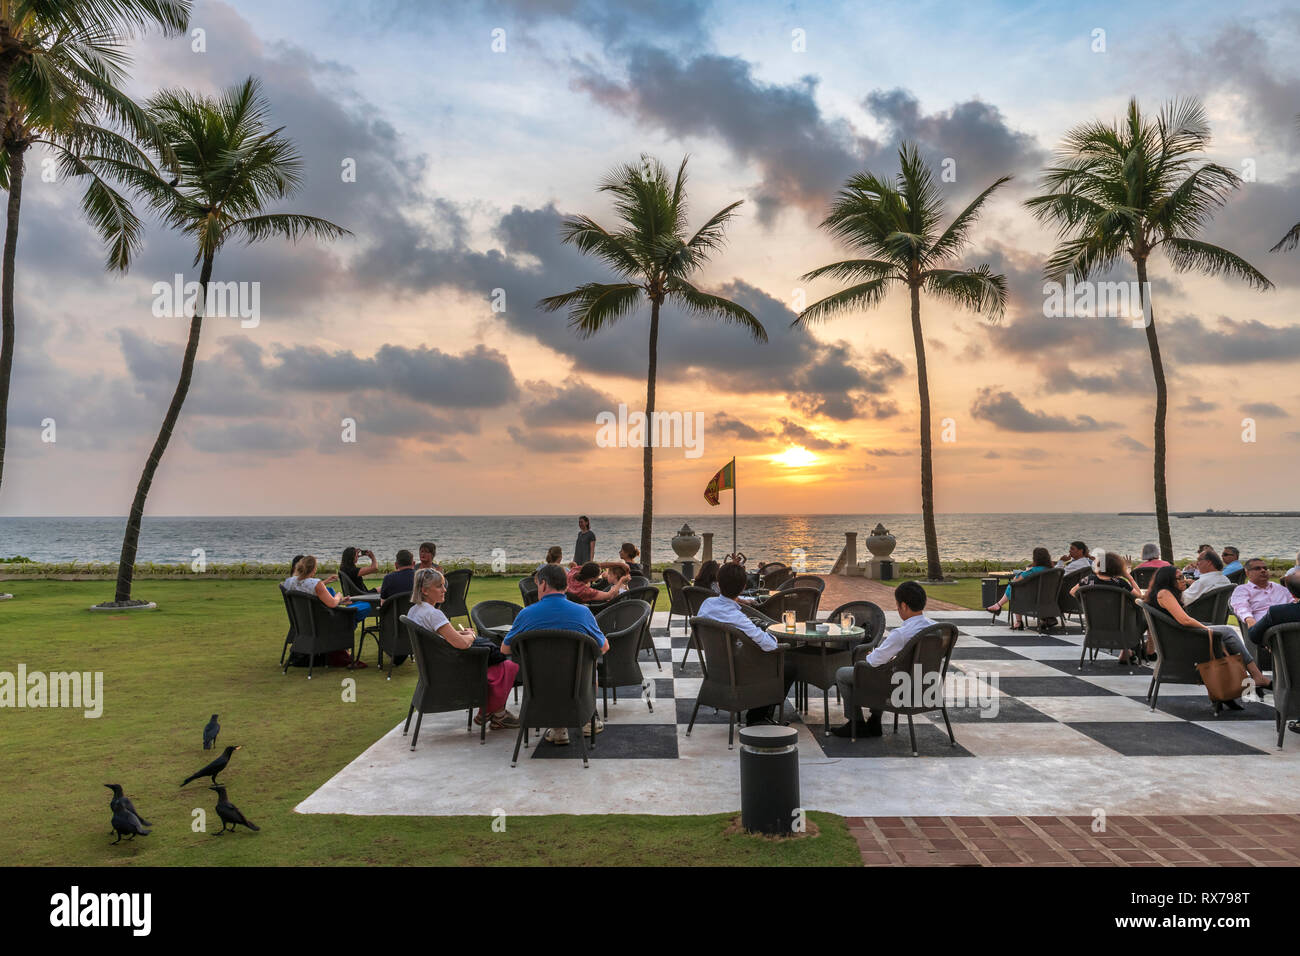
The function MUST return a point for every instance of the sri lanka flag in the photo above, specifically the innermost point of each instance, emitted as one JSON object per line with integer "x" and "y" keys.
{"x": 723, "y": 480}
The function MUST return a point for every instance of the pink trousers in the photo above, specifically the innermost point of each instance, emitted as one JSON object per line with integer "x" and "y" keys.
{"x": 501, "y": 678}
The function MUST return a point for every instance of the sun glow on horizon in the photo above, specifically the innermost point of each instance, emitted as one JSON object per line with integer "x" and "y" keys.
{"x": 796, "y": 456}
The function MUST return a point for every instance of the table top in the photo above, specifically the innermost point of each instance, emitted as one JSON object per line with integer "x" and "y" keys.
{"x": 802, "y": 632}
{"x": 500, "y": 630}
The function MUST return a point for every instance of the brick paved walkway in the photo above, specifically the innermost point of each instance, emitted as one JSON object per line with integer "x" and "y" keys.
{"x": 1224, "y": 840}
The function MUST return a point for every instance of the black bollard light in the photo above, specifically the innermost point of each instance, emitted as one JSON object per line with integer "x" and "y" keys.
{"x": 769, "y": 779}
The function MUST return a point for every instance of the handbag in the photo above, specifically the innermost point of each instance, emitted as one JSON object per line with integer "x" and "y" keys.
{"x": 1225, "y": 677}
{"x": 494, "y": 650}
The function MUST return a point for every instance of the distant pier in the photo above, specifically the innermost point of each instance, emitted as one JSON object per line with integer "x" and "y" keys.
{"x": 1213, "y": 514}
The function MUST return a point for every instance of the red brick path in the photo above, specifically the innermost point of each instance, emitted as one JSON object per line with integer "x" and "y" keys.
{"x": 1225, "y": 840}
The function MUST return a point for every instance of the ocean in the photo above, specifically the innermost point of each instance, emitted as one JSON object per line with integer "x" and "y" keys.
{"x": 525, "y": 538}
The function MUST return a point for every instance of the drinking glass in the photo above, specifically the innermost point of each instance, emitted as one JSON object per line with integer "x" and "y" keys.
{"x": 846, "y": 620}
{"x": 788, "y": 617}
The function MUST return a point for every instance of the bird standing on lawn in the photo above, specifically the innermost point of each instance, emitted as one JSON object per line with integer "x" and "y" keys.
{"x": 214, "y": 768}
{"x": 210, "y": 733}
{"x": 124, "y": 820}
{"x": 229, "y": 813}
{"x": 121, "y": 799}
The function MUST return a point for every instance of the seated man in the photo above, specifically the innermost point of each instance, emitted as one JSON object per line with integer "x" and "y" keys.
{"x": 1251, "y": 600}
{"x": 910, "y": 598}
{"x": 580, "y": 586}
{"x": 1295, "y": 570}
{"x": 1231, "y": 560}
{"x": 725, "y": 609}
{"x": 1209, "y": 575}
{"x": 1288, "y": 613}
{"x": 1077, "y": 558}
{"x": 1190, "y": 570}
{"x": 554, "y": 610}
{"x": 1151, "y": 557}
{"x": 401, "y": 579}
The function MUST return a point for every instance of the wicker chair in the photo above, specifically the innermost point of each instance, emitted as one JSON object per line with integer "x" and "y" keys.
{"x": 803, "y": 581}
{"x": 817, "y": 665}
{"x": 676, "y": 585}
{"x": 803, "y": 601}
{"x": 1067, "y": 602}
{"x": 1283, "y": 642}
{"x": 738, "y": 674}
{"x": 559, "y": 669}
{"x": 694, "y": 598}
{"x": 450, "y": 678}
{"x": 623, "y": 625}
{"x": 1035, "y": 595}
{"x": 867, "y": 616}
{"x": 288, "y": 611}
{"x": 1238, "y": 576}
{"x": 650, "y": 595}
{"x": 455, "y": 602}
{"x": 929, "y": 651}
{"x": 528, "y": 590}
{"x": 774, "y": 577}
{"x": 487, "y": 614}
{"x": 1143, "y": 576}
{"x": 1112, "y": 620}
{"x": 390, "y": 637}
{"x": 1212, "y": 606}
{"x": 637, "y": 581}
{"x": 319, "y": 629}
{"x": 1178, "y": 650}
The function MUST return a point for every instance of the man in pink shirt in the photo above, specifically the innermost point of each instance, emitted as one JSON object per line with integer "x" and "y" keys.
{"x": 1258, "y": 594}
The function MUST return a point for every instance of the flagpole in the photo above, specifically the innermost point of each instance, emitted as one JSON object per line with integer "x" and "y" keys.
{"x": 734, "y": 482}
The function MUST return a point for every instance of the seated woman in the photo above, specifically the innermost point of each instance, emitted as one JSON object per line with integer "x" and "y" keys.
{"x": 553, "y": 555}
{"x": 1042, "y": 561}
{"x": 356, "y": 575}
{"x": 616, "y": 579}
{"x": 430, "y": 589}
{"x": 628, "y": 553}
{"x": 708, "y": 576}
{"x": 1113, "y": 573}
{"x": 304, "y": 581}
{"x": 579, "y": 584}
{"x": 1166, "y": 593}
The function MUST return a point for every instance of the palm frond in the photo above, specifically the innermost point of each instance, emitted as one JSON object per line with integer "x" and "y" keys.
{"x": 706, "y": 304}
{"x": 864, "y": 295}
{"x": 595, "y": 305}
{"x": 1209, "y": 259}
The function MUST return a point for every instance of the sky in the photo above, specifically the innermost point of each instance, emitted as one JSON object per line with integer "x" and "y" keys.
{"x": 474, "y": 128}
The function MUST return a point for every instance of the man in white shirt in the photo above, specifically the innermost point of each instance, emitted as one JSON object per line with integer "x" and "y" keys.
{"x": 1209, "y": 575}
{"x": 910, "y": 599}
{"x": 1251, "y": 600}
{"x": 1294, "y": 570}
{"x": 725, "y": 609}
{"x": 1077, "y": 558}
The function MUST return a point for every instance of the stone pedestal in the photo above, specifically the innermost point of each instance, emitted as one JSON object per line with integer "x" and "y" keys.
{"x": 879, "y": 569}
{"x": 708, "y": 546}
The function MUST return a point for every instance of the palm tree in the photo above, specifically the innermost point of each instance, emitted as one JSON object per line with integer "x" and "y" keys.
{"x": 231, "y": 166}
{"x": 61, "y": 62}
{"x": 652, "y": 252}
{"x": 1129, "y": 189}
{"x": 1292, "y": 237}
{"x": 897, "y": 226}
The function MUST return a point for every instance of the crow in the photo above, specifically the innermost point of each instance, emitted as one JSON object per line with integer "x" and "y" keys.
{"x": 210, "y": 733}
{"x": 229, "y": 813}
{"x": 214, "y": 768}
{"x": 124, "y": 821}
{"x": 120, "y": 799}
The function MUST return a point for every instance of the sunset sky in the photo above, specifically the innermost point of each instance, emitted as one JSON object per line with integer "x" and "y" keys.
{"x": 466, "y": 161}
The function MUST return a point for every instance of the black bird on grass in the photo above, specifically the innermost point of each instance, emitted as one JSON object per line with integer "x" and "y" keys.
{"x": 229, "y": 813}
{"x": 214, "y": 768}
{"x": 210, "y": 733}
{"x": 124, "y": 821}
{"x": 121, "y": 800}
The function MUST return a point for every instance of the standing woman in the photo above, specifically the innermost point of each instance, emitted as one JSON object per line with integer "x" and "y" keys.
{"x": 430, "y": 589}
{"x": 1166, "y": 593}
{"x": 585, "y": 547}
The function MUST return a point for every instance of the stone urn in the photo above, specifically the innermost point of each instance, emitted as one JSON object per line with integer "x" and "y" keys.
{"x": 880, "y": 542}
{"x": 686, "y": 542}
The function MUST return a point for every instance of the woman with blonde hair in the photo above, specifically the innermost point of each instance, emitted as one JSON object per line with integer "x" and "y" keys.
{"x": 430, "y": 589}
{"x": 304, "y": 581}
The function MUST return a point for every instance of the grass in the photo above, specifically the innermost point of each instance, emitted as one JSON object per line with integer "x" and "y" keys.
{"x": 212, "y": 646}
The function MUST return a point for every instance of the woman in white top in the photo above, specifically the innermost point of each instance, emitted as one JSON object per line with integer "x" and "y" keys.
{"x": 304, "y": 582}
{"x": 430, "y": 589}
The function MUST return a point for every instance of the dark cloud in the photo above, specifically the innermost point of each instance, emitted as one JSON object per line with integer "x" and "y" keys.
{"x": 1229, "y": 342}
{"x": 1129, "y": 443}
{"x": 261, "y": 437}
{"x": 1264, "y": 410}
{"x": 1198, "y": 406}
{"x": 724, "y": 424}
{"x": 797, "y": 434}
{"x": 550, "y": 442}
{"x": 571, "y": 403}
{"x": 1006, "y": 412}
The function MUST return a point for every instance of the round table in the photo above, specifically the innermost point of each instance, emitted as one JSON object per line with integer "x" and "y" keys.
{"x": 499, "y": 630}
{"x": 803, "y": 633}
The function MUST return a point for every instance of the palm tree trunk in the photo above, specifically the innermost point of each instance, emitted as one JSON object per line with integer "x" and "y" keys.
{"x": 647, "y": 457}
{"x": 934, "y": 571}
{"x": 131, "y": 539}
{"x": 1162, "y": 407}
{"x": 16, "y": 156}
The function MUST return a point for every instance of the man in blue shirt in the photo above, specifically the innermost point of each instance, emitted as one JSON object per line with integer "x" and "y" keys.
{"x": 554, "y": 610}
{"x": 401, "y": 579}
{"x": 910, "y": 598}
{"x": 1232, "y": 561}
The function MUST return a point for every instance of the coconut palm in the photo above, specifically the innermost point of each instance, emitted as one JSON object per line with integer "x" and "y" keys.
{"x": 231, "y": 166}
{"x": 61, "y": 62}
{"x": 1292, "y": 237}
{"x": 654, "y": 254}
{"x": 1127, "y": 190}
{"x": 897, "y": 226}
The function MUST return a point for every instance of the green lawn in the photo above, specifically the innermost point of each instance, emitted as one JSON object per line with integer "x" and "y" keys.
{"x": 213, "y": 646}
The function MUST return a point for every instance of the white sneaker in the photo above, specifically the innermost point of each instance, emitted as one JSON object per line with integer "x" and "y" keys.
{"x": 557, "y": 735}
{"x": 586, "y": 728}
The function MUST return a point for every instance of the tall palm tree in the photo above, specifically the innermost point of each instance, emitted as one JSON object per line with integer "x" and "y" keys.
{"x": 654, "y": 254}
{"x": 1129, "y": 189}
{"x": 897, "y": 226}
{"x": 61, "y": 62}
{"x": 231, "y": 167}
{"x": 1292, "y": 237}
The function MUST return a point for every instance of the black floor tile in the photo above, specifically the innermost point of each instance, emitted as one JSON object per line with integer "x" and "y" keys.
{"x": 1163, "y": 739}
{"x": 1051, "y": 687}
{"x": 1199, "y": 707}
{"x": 960, "y": 653}
{"x": 931, "y": 741}
{"x": 618, "y": 742}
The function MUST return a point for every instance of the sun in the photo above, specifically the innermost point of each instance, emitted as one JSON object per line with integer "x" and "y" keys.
{"x": 796, "y": 456}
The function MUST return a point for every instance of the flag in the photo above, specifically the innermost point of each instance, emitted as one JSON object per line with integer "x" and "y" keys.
{"x": 724, "y": 479}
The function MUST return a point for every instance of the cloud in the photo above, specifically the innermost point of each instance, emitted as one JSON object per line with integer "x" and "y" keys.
{"x": 1264, "y": 410}
{"x": 261, "y": 437}
{"x": 571, "y": 403}
{"x": 724, "y": 424}
{"x": 1129, "y": 443}
{"x": 550, "y": 442}
{"x": 1198, "y": 406}
{"x": 797, "y": 434}
{"x": 1006, "y": 412}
